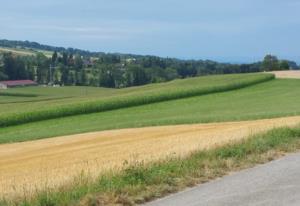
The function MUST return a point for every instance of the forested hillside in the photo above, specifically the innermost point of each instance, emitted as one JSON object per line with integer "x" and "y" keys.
{"x": 69, "y": 66}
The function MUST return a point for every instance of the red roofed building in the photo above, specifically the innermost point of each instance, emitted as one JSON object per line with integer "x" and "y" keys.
{"x": 16, "y": 83}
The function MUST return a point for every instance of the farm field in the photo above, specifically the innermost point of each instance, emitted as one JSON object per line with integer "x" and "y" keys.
{"x": 33, "y": 166}
{"x": 85, "y": 94}
{"x": 276, "y": 98}
{"x": 98, "y": 142}
{"x": 91, "y": 100}
{"x": 17, "y": 51}
{"x": 295, "y": 74}
{"x": 51, "y": 95}
{"x": 24, "y": 52}
{"x": 121, "y": 103}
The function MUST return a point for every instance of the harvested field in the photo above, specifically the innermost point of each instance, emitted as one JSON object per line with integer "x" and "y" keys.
{"x": 21, "y": 52}
{"x": 30, "y": 166}
{"x": 293, "y": 74}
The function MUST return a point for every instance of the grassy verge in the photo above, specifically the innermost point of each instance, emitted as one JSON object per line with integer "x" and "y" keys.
{"x": 140, "y": 182}
{"x": 158, "y": 95}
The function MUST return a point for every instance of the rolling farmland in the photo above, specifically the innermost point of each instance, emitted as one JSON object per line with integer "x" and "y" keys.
{"x": 124, "y": 103}
{"x": 12, "y": 115}
{"x": 253, "y": 102}
{"x": 96, "y": 141}
{"x": 24, "y": 52}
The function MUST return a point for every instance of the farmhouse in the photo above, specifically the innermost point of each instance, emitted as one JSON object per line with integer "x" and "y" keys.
{"x": 16, "y": 83}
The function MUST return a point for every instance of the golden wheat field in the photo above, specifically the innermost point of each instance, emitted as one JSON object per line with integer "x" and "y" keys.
{"x": 292, "y": 74}
{"x": 30, "y": 166}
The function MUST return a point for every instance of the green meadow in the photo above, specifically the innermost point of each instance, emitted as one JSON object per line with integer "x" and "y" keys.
{"x": 275, "y": 98}
{"x": 50, "y": 103}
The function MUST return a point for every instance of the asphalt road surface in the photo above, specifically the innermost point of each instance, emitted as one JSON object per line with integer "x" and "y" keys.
{"x": 273, "y": 184}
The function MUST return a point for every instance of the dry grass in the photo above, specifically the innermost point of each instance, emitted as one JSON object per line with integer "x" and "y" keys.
{"x": 292, "y": 74}
{"x": 25, "y": 52}
{"x": 30, "y": 166}
{"x": 17, "y": 51}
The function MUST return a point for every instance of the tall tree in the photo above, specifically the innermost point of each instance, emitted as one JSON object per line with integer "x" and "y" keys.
{"x": 54, "y": 57}
{"x": 42, "y": 71}
{"x": 3, "y": 76}
{"x": 78, "y": 62}
{"x": 14, "y": 67}
{"x": 284, "y": 65}
{"x": 270, "y": 63}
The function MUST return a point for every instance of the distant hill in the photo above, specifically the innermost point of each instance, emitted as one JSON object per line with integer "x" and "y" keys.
{"x": 24, "y": 47}
{"x": 38, "y": 46}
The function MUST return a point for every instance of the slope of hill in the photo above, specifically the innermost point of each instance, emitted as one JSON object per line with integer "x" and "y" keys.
{"x": 21, "y": 113}
{"x": 30, "y": 167}
{"x": 27, "y": 45}
{"x": 24, "y": 51}
{"x": 275, "y": 98}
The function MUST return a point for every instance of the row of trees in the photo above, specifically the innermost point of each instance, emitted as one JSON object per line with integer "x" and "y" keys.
{"x": 116, "y": 71}
{"x": 271, "y": 62}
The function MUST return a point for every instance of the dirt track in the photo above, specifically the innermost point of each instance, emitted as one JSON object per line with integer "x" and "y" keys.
{"x": 25, "y": 167}
{"x": 293, "y": 74}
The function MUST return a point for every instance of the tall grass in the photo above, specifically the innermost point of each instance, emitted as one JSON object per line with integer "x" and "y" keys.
{"x": 151, "y": 96}
{"x": 140, "y": 182}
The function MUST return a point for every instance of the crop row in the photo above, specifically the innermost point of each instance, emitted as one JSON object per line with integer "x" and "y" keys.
{"x": 17, "y": 94}
{"x": 158, "y": 95}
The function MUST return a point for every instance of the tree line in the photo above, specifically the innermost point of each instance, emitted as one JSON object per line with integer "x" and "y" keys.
{"x": 119, "y": 70}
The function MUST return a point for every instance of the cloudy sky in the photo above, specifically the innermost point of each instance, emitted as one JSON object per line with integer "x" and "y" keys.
{"x": 231, "y": 30}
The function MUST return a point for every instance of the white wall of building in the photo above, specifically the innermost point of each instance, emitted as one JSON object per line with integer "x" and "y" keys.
{"x": 3, "y": 86}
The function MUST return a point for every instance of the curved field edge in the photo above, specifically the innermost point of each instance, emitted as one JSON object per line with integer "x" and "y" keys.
{"x": 158, "y": 95}
{"x": 139, "y": 183}
{"x": 276, "y": 98}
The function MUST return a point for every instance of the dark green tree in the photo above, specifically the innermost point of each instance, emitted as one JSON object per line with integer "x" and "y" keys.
{"x": 42, "y": 68}
{"x": 284, "y": 65}
{"x": 270, "y": 63}
{"x": 54, "y": 58}
{"x": 78, "y": 62}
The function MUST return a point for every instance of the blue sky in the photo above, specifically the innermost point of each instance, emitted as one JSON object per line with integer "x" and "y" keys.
{"x": 230, "y": 31}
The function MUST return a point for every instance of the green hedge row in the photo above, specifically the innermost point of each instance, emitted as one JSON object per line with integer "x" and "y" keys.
{"x": 17, "y": 94}
{"x": 113, "y": 103}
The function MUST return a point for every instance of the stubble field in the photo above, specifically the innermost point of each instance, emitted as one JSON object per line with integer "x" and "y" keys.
{"x": 36, "y": 165}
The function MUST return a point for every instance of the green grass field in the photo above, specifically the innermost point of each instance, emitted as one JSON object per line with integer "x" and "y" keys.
{"x": 52, "y": 95}
{"x": 276, "y": 98}
{"x": 53, "y": 103}
{"x": 67, "y": 95}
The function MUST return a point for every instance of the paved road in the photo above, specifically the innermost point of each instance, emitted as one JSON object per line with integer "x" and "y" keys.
{"x": 274, "y": 184}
